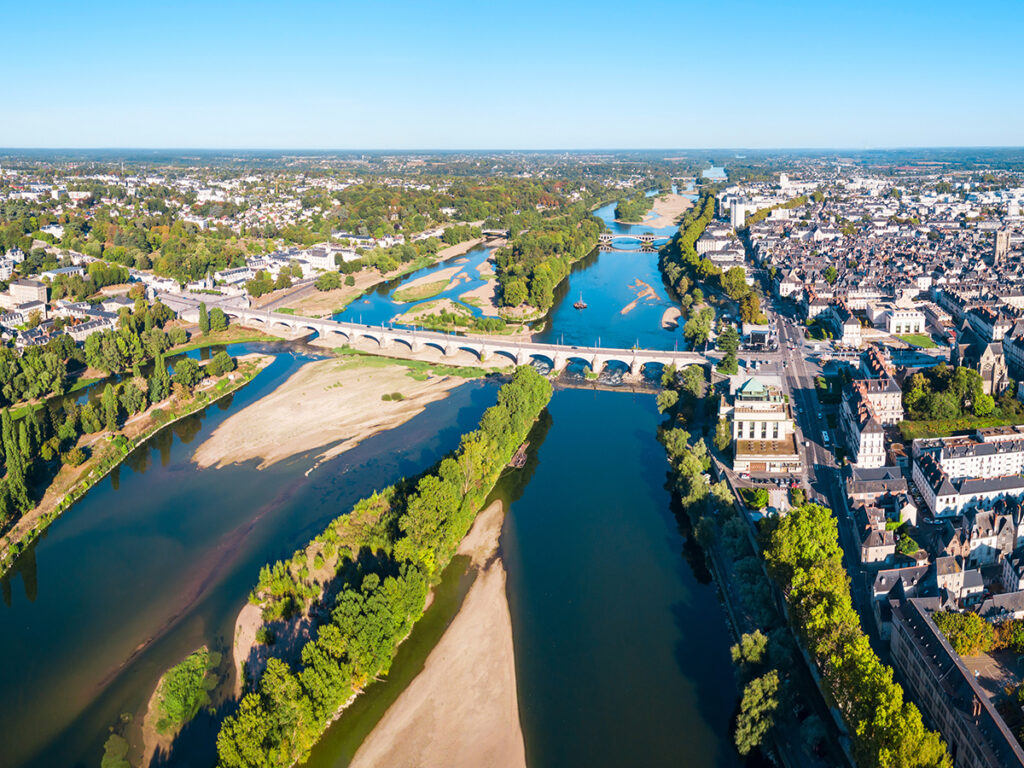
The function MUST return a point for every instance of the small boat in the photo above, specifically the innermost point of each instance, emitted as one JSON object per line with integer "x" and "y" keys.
{"x": 581, "y": 304}
{"x": 518, "y": 461}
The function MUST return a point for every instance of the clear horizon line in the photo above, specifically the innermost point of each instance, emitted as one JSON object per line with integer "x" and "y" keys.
{"x": 821, "y": 148}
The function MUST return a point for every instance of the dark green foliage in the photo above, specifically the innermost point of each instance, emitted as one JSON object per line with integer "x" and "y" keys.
{"x": 183, "y": 690}
{"x": 160, "y": 381}
{"x": 220, "y": 364}
{"x": 760, "y": 700}
{"x": 204, "y": 319}
{"x": 633, "y": 208}
{"x": 138, "y": 338}
{"x": 944, "y": 392}
{"x": 187, "y": 372}
{"x": 328, "y": 281}
{"x": 679, "y": 259}
{"x": 115, "y": 752}
{"x": 537, "y": 260}
{"x": 218, "y": 320}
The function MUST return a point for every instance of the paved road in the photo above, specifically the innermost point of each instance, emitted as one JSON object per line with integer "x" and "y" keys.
{"x": 821, "y": 473}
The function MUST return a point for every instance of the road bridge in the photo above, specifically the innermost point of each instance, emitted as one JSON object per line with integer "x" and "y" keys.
{"x": 519, "y": 352}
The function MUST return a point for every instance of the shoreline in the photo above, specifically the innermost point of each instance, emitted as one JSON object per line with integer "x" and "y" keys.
{"x": 314, "y": 303}
{"x": 468, "y": 680}
{"x": 54, "y": 502}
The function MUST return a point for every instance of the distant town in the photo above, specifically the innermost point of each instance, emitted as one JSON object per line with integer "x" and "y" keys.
{"x": 832, "y": 343}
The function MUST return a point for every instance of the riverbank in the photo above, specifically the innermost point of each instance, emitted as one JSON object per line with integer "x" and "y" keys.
{"x": 331, "y": 404}
{"x": 107, "y": 449}
{"x": 462, "y": 710}
{"x": 310, "y": 302}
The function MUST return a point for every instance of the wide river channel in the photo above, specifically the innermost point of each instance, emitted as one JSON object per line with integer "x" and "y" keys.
{"x": 621, "y": 646}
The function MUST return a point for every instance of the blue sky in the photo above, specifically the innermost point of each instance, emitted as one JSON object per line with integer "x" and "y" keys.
{"x": 407, "y": 75}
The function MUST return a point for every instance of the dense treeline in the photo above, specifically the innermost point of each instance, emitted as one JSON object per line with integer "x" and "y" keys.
{"x": 139, "y": 338}
{"x": 385, "y": 553}
{"x": 537, "y": 260}
{"x": 802, "y": 555}
{"x": 42, "y": 371}
{"x": 762, "y": 213}
{"x": 805, "y": 560}
{"x": 34, "y": 446}
{"x": 633, "y": 208}
{"x": 764, "y": 656}
{"x": 78, "y": 288}
{"x": 680, "y": 263}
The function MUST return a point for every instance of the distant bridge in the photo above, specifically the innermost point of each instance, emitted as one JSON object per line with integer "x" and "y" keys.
{"x": 645, "y": 237}
{"x": 484, "y": 347}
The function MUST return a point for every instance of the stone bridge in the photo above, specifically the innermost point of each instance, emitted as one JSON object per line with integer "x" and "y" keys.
{"x": 484, "y": 347}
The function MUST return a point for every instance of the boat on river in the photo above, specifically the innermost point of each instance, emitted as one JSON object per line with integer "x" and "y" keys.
{"x": 581, "y": 304}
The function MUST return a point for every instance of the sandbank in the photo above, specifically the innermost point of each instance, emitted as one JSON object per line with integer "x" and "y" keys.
{"x": 332, "y": 404}
{"x": 435, "y": 277}
{"x": 462, "y": 710}
{"x": 670, "y": 318}
{"x": 667, "y": 210}
{"x": 484, "y": 297}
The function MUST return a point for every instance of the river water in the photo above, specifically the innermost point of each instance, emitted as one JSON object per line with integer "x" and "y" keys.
{"x": 621, "y": 648}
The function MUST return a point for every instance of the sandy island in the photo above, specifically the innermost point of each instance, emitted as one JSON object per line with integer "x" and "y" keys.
{"x": 447, "y": 275}
{"x": 667, "y": 210}
{"x": 670, "y": 318}
{"x": 483, "y": 296}
{"x": 462, "y": 710}
{"x": 335, "y": 403}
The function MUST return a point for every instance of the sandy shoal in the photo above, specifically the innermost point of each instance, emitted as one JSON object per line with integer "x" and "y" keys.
{"x": 485, "y": 294}
{"x": 435, "y": 277}
{"x": 667, "y": 209}
{"x": 462, "y": 710}
{"x": 333, "y": 403}
{"x": 670, "y": 318}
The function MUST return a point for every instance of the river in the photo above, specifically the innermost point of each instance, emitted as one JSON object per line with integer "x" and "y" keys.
{"x": 622, "y": 651}
{"x": 622, "y": 288}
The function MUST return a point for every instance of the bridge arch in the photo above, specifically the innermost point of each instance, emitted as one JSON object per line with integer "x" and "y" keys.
{"x": 546, "y": 361}
{"x": 575, "y": 361}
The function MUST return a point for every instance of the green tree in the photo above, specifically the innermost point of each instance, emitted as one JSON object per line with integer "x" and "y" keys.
{"x": 218, "y": 320}
{"x": 984, "y": 405}
{"x": 328, "y": 281}
{"x": 159, "y": 381}
{"x": 698, "y": 327}
{"x": 693, "y": 381}
{"x": 750, "y": 650}
{"x": 667, "y": 400}
{"x": 757, "y": 711}
{"x": 830, "y": 274}
{"x": 968, "y": 633}
{"x": 204, "y": 319}
{"x": 723, "y": 434}
{"x": 729, "y": 339}
{"x": 108, "y": 401}
{"x": 187, "y": 373}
